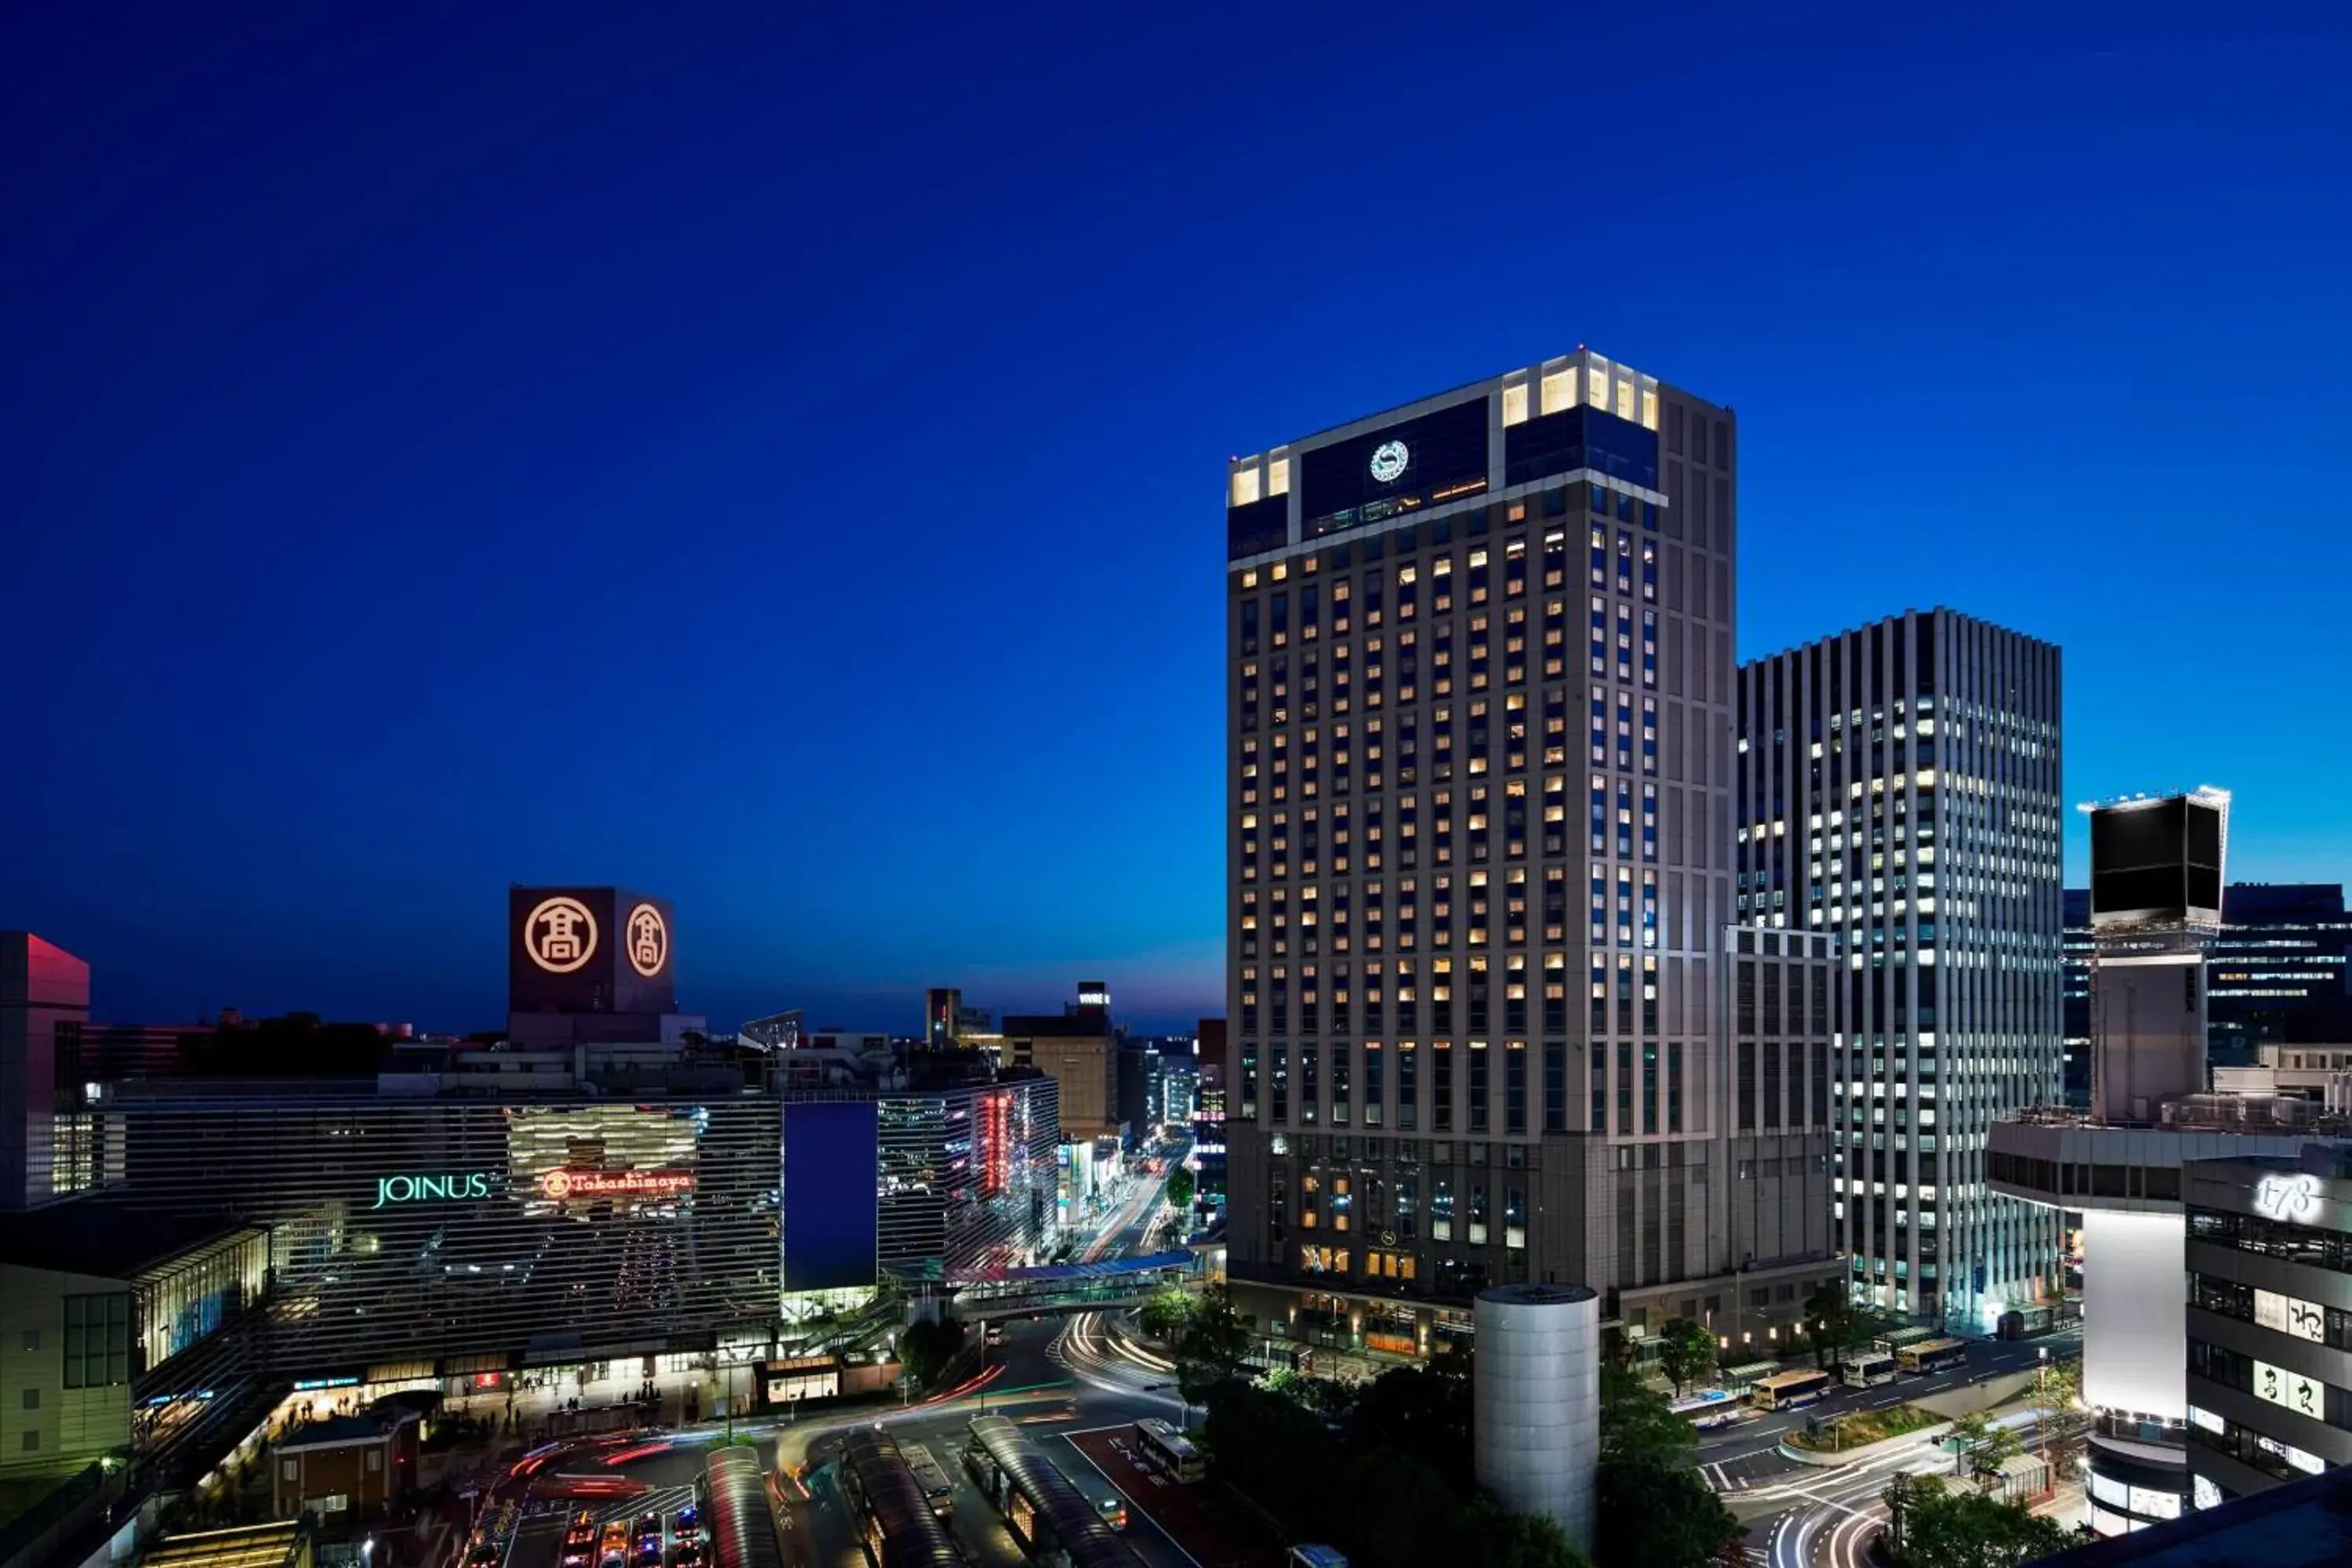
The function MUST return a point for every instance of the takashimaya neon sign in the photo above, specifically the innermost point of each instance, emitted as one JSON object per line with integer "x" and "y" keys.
{"x": 2291, "y": 1198}
{"x": 560, "y": 934}
{"x": 564, "y": 1185}
{"x": 648, "y": 935}
{"x": 420, "y": 1189}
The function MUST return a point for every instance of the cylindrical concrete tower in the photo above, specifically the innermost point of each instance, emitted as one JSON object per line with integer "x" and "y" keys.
{"x": 1536, "y": 1391}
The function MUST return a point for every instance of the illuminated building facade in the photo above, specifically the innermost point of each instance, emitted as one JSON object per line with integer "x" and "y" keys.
{"x": 439, "y": 1234}
{"x": 1898, "y": 786}
{"x": 2270, "y": 1321}
{"x": 969, "y": 1177}
{"x": 1479, "y": 697}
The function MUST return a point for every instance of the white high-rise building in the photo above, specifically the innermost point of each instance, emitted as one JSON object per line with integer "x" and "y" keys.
{"x": 1899, "y": 786}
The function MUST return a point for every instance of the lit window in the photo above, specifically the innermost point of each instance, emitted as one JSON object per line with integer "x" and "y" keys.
{"x": 1244, "y": 487}
{"x": 1559, "y": 391}
{"x": 1514, "y": 404}
{"x": 1277, "y": 472}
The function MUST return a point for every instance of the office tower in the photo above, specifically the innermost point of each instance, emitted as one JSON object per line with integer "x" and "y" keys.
{"x": 2276, "y": 975}
{"x": 1899, "y": 787}
{"x": 1078, "y": 1049}
{"x": 1479, "y": 660}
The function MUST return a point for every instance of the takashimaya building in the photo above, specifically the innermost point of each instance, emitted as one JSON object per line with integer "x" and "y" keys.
{"x": 1898, "y": 786}
{"x": 1478, "y": 786}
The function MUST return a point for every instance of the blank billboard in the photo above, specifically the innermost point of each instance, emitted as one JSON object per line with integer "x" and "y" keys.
{"x": 829, "y": 1195}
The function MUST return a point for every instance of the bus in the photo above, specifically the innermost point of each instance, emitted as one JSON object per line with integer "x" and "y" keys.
{"x": 1868, "y": 1369}
{"x": 1710, "y": 1408}
{"x": 938, "y": 1490}
{"x": 1161, "y": 1445}
{"x": 1931, "y": 1355}
{"x": 1787, "y": 1389}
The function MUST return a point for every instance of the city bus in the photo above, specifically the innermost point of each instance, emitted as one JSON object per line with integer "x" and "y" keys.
{"x": 1931, "y": 1355}
{"x": 1867, "y": 1369}
{"x": 1787, "y": 1389}
{"x": 1161, "y": 1445}
{"x": 938, "y": 1490}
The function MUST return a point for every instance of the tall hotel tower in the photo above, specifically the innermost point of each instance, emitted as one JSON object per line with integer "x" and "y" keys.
{"x": 1479, "y": 787}
{"x": 1899, "y": 787}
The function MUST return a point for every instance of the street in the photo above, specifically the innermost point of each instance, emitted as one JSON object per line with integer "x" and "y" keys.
{"x": 1800, "y": 1515}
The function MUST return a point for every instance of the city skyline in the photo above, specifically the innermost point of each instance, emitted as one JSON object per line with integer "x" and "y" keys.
{"x": 290, "y": 749}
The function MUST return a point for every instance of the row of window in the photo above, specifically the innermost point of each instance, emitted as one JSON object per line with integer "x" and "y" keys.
{"x": 2273, "y": 1239}
{"x": 1462, "y": 1095}
{"x": 2291, "y": 1315}
{"x": 2274, "y": 1384}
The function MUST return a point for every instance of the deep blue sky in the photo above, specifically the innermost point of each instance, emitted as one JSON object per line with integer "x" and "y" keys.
{"x": 781, "y": 468}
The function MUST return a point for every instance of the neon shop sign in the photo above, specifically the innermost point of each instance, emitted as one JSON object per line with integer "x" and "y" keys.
{"x": 565, "y": 1185}
{"x": 391, "y": 1189}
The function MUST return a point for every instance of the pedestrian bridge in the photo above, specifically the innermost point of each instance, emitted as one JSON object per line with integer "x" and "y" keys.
{"x": 1061, "y": 1287}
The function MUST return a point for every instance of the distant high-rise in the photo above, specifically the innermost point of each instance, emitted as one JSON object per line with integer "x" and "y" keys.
{"x": 1899, "y": 786}
{"x": 2277, "y": 969}
{"x": 1479, "y": 668}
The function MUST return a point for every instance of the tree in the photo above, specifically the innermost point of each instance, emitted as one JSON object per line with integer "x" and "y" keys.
{"x": 1831, "y": 1322}
{"x": 1212, "y": 1345}
{"x": 1495, "y": 1538}
{"x": 1967, "y": 1432}
{"x": 1164, "y": 1314}
{"x": 927, "y": 1346}
{"x": 1943, "y": 1528}
{"x": 1649, "y": 1515}
{"x": 1637, "y": 1424}
{"x": 1996, "y": 1447}
{"x": 1685, "y": 1351}
{"x": 1422, "y": 1412}
{"x": 1902, "y": 1491}
{"x": 1180, "y": 1188}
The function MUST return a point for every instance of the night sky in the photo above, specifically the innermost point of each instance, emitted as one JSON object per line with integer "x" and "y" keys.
{"x": 782, "y": 469}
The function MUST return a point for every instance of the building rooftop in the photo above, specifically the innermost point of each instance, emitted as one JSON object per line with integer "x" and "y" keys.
{"x": 252, "y": 1546}
{"x": 2305, "y": 1524}
{"x": 89, "y": 1236}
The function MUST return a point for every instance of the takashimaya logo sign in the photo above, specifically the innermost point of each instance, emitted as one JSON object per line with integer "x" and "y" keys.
{"x": 563, "y": 1185}
{"x": 2291, "y": 1198}
{"x": 560, "y": 934}
{"x": 1389, "y": 459}
{"x": 391, "y": 1189}
{"x": 648, "y": 939}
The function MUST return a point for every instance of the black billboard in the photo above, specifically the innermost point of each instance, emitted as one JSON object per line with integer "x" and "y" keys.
{"x": 2156, "y": 860}
{"x": 829, "y": 1172}
{"x": 1401, "y": 468}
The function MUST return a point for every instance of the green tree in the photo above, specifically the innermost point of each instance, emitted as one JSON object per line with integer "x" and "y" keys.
{"x": 1180, "y": 1188}
{"x": 1944, "y": 1527}
{"x": 1212, "y": 1345}
{"x": 1968, "y": 1431}
{"x": 1832, "y": 1322}
{"x": 1649, "y": 1515}
{"x": 1902, "y": 1491}
{"x": 1422, "y": 1412}
{"x": 1686, "y": 1350}
{"x": 1638, "y": 1424}
{"x": 1493, "y": 1536}
{"x": 1996, "y": 1447}
{"x": 1164, "y": 1314}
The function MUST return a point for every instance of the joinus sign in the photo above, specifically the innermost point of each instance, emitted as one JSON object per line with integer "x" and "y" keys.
{"x": 390, "y": 1190}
